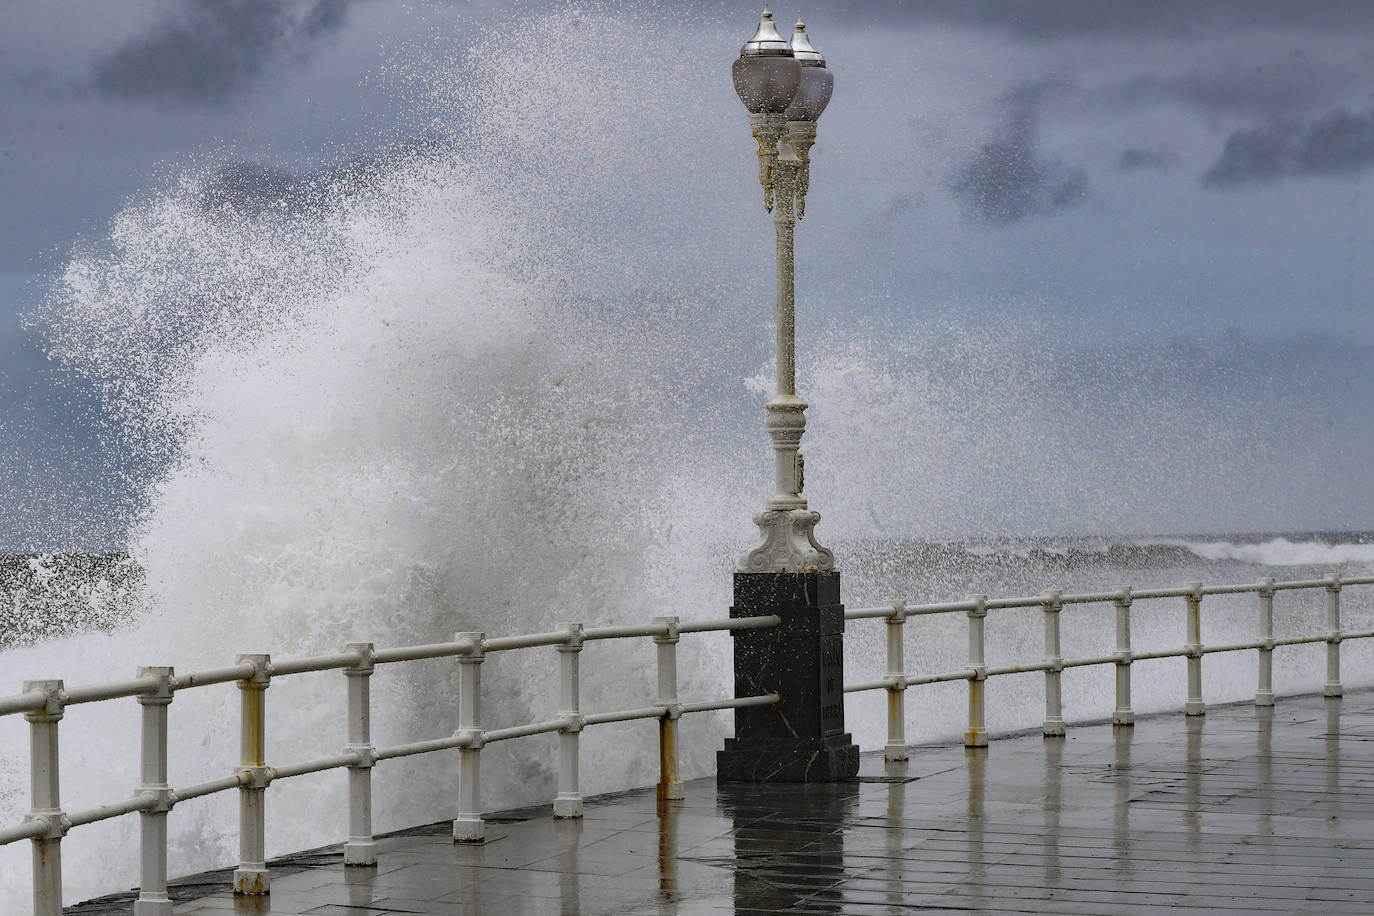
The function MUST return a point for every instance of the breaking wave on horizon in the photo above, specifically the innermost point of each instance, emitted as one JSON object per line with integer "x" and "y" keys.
{"x": 1281, "y": 551}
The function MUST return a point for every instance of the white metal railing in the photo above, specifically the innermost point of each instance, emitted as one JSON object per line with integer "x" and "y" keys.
{"x": 43, "y": 702}
{"x": 895, "y": 681}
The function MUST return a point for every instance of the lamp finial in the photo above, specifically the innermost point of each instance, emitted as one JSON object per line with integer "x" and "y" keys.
{"x": 766, "y": 41}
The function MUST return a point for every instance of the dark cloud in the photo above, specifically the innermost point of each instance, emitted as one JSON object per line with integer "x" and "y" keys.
{"x": 1008, "y": 179}
{"x": 204, "y": 51}
{"x": 1338, "y": 142}
{"x": 1271, "y": 89}
{"x": 324, "y": 17}
{"x": 1135, "y": 159}
{"x": 1069, "y": 18}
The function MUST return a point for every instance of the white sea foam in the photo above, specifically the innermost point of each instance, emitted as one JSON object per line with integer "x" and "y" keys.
{"x": 1280, "y": 552}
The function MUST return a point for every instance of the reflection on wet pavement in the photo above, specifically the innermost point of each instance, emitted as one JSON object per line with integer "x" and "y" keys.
{"x": 1246, "y": 809}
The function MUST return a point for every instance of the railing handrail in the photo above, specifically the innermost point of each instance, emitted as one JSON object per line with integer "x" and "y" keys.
{"x": 43, "y": 703}
{"x": 1051, "y": 602}
{"x": 29, "y": 701}
{"x": 1144, "y": 594}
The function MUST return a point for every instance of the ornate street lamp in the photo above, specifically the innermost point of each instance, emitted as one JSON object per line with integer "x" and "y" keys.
{"x": 786, "y": 86}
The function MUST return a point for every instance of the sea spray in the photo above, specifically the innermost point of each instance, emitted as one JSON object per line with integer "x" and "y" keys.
{"x": 43, "y": 596}
{"x": 377, "y": 405}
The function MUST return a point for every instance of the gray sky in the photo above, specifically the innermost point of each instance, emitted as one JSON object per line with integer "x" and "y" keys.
{"x": 1187, "y": 178}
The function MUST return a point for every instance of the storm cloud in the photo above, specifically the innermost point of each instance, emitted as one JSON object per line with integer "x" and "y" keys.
{"x": 204, "y": 52}
{"x": 1272, "y": 87}
{"x": 1338, "y": 142}
{"x": 1009, "y": 179}
{"x": 1071, "y": 18}
{"x": 1159, "y": 158}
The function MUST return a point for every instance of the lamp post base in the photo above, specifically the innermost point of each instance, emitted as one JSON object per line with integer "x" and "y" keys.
{"x": 832, "y": 759}
{"x": 802, "y": 737}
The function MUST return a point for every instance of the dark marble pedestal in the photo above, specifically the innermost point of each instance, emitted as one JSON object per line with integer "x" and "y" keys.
{"x": 802, "y": 738}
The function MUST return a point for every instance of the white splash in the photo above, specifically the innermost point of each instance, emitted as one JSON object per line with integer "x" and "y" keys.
{"x": 1281, "y": 552}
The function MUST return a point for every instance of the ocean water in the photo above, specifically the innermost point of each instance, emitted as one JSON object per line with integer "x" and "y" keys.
{"x": 513, "y": 375}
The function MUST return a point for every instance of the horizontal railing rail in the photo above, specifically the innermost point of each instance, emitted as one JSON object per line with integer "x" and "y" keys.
{"x": 976, "y": 607}
{"x": 43, "y": 703}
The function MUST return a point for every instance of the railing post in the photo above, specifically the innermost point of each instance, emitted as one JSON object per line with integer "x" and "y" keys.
{"x": 1264, "y": 695}
{"x": 152, "y": 885}
{"x": 1054, "y": 660}
{"x": 1123, "y": 714}
{"x": 669, "y": 783}
{"x": 977, "y": 734}
{"x": 569, "y": 800}
{"x": 1333, "y": 636}
{"x": 360, "y": 849}
{"x": 468, "y": 826}
{"x": 1194, "y": 705}
{"x": 251, "y": 876}
{"x": 895, "y": 750}
{"x": 47, "y": 798}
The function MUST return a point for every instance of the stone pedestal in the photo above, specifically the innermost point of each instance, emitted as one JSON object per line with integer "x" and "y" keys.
{"x": 802, "y": 738}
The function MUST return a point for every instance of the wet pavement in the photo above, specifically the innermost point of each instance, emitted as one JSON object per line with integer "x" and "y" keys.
{"x": 1245, "y": 810}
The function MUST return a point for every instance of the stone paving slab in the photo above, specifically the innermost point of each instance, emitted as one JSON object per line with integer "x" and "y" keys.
{"x": 1245, "y": 810}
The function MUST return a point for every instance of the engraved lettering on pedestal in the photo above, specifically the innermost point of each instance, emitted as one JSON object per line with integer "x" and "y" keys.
{"x": 831, "y": 685}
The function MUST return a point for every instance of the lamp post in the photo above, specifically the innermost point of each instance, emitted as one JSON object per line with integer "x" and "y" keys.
{"x": 785, "y": 86}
